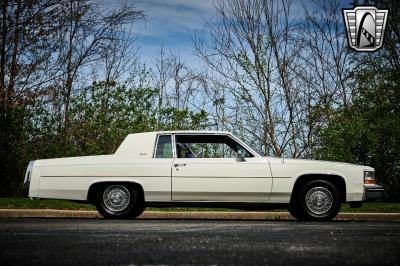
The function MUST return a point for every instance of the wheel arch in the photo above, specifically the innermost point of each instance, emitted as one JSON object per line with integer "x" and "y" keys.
{"x": 94, "y": 186}
{"x": 337, "y": 179}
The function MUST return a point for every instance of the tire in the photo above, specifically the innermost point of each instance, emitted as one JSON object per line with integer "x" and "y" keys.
{"x": 294, "y": 212}
{"x": 317, "y": 200}
{"x": 119, "y": 201}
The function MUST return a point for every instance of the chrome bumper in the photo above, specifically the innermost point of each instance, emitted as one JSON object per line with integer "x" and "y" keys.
{"x": 373, "y": 192}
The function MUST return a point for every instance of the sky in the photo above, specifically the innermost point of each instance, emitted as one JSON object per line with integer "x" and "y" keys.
{"x": 173, "y": 23}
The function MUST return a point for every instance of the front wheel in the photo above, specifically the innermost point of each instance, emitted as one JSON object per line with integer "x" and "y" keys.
{"x": 119, "y": 201}
{"x": 317, "y": 200}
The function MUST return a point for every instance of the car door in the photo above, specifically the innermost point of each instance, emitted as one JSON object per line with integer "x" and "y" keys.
{"x": 159, "y": 185}
{"x": 221, "y": 179}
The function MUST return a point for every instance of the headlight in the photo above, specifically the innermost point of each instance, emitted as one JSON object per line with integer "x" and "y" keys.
{"x": 369, "y": 177}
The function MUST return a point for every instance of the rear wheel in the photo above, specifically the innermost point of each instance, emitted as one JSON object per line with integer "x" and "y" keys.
{"x": 317, "y": 200}
{"x": 119, "y": 201}
{"x": 294, "y": 211}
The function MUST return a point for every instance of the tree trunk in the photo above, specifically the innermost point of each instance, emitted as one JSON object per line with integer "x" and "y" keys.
{"x": 3, "y": 50}
{"x": 14, "y": 69}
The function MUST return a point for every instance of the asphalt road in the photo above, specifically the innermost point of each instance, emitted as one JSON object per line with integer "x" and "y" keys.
{"x": 26, "y": 241}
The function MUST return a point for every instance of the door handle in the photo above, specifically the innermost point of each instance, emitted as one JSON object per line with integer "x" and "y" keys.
{"x": 179, "y": 164}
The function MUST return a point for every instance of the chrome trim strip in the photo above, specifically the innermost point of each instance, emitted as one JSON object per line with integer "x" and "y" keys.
{"x": 95, "y": 176}
{"x": 174, "y": 153}
{"x": 155, "y": 147}
{"x": 220, "y": 177}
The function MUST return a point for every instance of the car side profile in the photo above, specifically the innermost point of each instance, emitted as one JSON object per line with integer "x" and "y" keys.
{"x": 201, "y": 168}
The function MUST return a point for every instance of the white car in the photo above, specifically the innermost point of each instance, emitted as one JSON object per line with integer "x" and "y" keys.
{"x": 202, "y": 168}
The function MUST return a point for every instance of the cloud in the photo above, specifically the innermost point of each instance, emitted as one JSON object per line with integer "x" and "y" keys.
{"x": 170, "y": 23}
{"x": 164, "y": 18}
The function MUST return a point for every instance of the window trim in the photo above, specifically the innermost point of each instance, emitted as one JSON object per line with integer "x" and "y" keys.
{"x": 156, "y": 144}
{"x": 249, "y": 149}
{"x": 244, "y": 145}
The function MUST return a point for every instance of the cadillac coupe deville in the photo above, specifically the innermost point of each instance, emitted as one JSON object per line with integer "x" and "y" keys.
{"x": 201, "y": 168}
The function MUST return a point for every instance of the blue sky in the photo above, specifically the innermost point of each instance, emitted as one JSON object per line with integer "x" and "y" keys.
{"x": 172, "y": 23}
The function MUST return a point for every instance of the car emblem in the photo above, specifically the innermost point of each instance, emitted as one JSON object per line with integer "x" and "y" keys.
{"x": 365, "y": 26}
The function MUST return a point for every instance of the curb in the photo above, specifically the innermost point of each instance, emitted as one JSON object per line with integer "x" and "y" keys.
{"x": 196, "y": 215}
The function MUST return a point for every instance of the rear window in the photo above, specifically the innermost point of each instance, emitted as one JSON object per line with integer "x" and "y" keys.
{"x": 164, "y": 147}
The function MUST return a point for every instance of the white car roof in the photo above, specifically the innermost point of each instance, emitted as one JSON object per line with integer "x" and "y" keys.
{"x": 185, "y": 132}
{"x": 141, "y": 145}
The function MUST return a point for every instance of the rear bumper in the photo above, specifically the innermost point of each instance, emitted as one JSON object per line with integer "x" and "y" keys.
{"x": 373, "y": 192}
{"x": 27, "y": 179}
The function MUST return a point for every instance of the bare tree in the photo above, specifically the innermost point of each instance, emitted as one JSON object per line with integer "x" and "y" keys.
{"x": 176, "y": 83}
{"x": 26, "y": 50}
{"x": 161, "y": 74}
{"x": 88, "y": 30}
{"x": 325, "y": 66}
{"x": 274, "y": 74}
{"x": 253, "y": 51}
{"x": 118, "y": 58}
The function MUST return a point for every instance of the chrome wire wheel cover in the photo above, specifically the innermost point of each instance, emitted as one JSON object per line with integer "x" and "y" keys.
{"x": 116, "y": 198}
{"x": 319, "y": 200}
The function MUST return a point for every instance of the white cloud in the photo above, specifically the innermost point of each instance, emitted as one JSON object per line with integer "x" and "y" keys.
{"x": 175, "y": 16}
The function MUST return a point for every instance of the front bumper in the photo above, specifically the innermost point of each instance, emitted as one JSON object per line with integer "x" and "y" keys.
{"x": 373, "y": 192}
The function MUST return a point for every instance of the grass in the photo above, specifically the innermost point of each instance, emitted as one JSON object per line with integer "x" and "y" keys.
{"x": 370, "y": 207}
{"x": 26, "y": 203}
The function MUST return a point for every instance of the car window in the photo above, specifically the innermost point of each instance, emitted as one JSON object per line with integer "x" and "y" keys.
{"x": 164, "y": 147}
{"x": 209, "y": 146}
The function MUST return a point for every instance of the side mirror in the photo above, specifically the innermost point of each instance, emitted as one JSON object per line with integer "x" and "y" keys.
{"x": 240, "y": 156}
